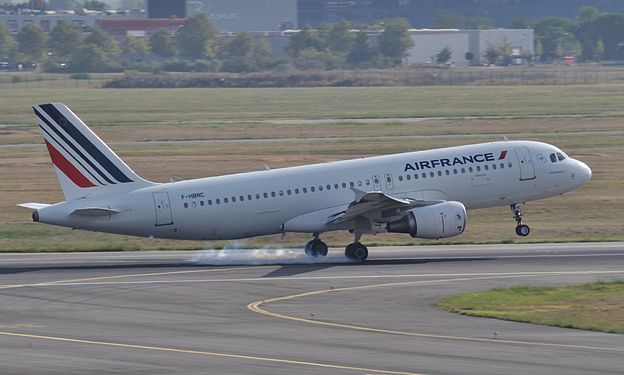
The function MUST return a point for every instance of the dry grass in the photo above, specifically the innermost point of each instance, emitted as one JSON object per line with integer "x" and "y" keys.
{"x": 589, "y": 214}
{"x": 596, "y": 306}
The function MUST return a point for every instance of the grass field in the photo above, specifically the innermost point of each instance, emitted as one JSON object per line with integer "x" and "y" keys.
{"x": 283, "y": 127}
{"x": 596, "y": 306}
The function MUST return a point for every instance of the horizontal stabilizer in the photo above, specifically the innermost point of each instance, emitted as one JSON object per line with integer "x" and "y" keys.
{"x": 34, "y": 206}
{"x": 94, "y": 211}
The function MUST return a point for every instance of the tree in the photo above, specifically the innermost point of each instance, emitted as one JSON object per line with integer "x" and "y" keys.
{"x": 585, "y": 32}
{"x": 135, "y": 48}
{"x": 609, "y": 27}
{"x": 161, "y": 43}
{"x": 94, "y": 5}
{"x": 63, "y": 40}
{"x": 90, "y": 58}
{"x": 7, "y": 44}
{"x": 469, "y": 56}
{"x": 492, "y": 54}
{"x": 361, "y": 53}
{"x": 395, "y": 41}
{"x": 445, "y": 20}
{"x": 132, "y": 4}
{"x": 340, "y": 38}
{"x": 101, "y": 39}
{"x": 305, "y": 39}
{"x": 31, "y": 42}
{"x": 244, "y": 53}
{"x": 554, "y": 33}
{"x": 506, "y": 51}
{"x": 521, "y": 23}
{"x": 444, "y": 56}
{"x": 197, "y": 38}
{"x": 599, "y": 49}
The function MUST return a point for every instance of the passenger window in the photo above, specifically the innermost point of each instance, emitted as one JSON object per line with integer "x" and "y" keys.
{"x": 185, "y": 205}
{"x": 509, "y": 164}
{"x": 553, "y": 158}
{"x": 241, "y": 198}
{"x": 297, "y": 191}
{"x": 359, "y": 183}
{"x": 470, "y": 169}
{"x": 233, "y": 199}
{"x": 273, "y": 194}
{"x": 312, "y": 189}
{"x": 463, "y": 170}
{"x": 376, "y": 181}
{"x": 210, "y": 202}
{"x": 409, "y": 177}
{"x": 424, "y": 175}
{"x": 336, "y": 186}
{"x": 448, "y": 172}
{"x": 257, "y": 195}
{"x": 218, "y": 201}
{"x": 502, "y": 165}
{"x": 439, "y": 173}
{"x": 367, "y": 182}
{"x": 320, "y": 187}
{"x": 388, "y": 179}
{"x": 400, "y": 178}
{"x": 249, "y": 197}
{"x": 266, "y": 195}
{"x": 431, "y": 174}
{"x": 493, "y": 166}
{"x": 289, "y": 192}
{"x": 351, "y": 184}
{"x": 454, "y": 171}
{"x": 328, "y": 187}
{"x": 478, "y": 168}
{"x": 344, "y": 185}
{"x": 486, "y": 167}
{"x": 415, "y": 176}
{"x": 201, "y": 203}
{"x": 281, "y": 193}
{"x": 305, "y": 190}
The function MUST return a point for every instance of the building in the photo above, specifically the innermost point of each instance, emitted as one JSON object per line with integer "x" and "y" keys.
{"x": 429, "y": 42}
{"x": 421, "y": 13}
{"x": 15, "y": 22}
{"x": 139, "y": 27}
{"x": 246, "y": 15}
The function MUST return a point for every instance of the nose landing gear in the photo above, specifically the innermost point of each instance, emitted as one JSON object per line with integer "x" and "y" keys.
{"x": 521, "y": 229}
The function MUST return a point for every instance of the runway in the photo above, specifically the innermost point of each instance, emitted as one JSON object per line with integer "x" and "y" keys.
{"x": 175, "y": 313}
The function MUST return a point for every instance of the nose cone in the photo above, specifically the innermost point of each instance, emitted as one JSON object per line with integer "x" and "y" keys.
{"x": 584, "y": 173}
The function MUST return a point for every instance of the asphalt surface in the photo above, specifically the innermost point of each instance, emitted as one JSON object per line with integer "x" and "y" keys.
{"x": 212, "y": 313}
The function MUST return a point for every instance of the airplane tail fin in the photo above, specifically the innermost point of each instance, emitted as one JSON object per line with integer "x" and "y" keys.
{"x": 84, "y": 164}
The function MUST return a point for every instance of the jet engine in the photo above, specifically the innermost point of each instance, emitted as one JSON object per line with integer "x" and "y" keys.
{"x": 441, "y": 220}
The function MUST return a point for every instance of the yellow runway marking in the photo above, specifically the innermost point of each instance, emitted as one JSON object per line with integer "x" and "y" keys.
{"x": 256, "y": 307}
{"x": 60, "y": 282}
{"x": 210, "y": 354}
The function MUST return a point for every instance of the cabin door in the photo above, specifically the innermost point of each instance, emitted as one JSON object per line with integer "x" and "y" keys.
{"x": 163, "y": 209}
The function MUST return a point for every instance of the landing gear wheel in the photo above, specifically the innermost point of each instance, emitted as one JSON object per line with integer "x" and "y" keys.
{"x": 356, "y": 251}
{"x": 316, "y": 248}
{"x": 523, "y": 230}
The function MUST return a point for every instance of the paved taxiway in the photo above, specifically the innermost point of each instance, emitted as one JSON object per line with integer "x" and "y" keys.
{"x": 171, "y": 312}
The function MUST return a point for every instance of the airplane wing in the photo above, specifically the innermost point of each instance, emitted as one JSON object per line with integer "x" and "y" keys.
{"x": 34, "y": 206}
{"x": 377, "y": 206}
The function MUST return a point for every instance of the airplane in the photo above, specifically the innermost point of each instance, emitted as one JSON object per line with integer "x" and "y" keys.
{"x": 424, "y": 193}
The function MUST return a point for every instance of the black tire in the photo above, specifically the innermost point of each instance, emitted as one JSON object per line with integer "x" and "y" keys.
{"x": 319, "y": 248}
{"x": 309, "y": 249}
{"x": 356, "y": 251}
{"x": 523, "y": 230}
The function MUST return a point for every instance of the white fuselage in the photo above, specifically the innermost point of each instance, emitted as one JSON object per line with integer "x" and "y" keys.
{"x": 299, "y": 199}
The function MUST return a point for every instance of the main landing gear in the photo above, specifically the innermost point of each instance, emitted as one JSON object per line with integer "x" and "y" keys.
{"x": 316, "y": 247}
{"x": 521, "y": 229}
{"x": 355, "y": 251}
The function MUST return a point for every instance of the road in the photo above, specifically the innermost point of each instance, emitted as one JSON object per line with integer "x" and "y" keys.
{"x": 276, "y": 312}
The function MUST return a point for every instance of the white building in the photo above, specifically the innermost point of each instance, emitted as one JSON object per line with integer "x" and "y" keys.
{"x": 429, "y": 42}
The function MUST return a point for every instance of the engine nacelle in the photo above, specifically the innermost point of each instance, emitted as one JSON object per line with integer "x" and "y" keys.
{"x": 441, "y": 220}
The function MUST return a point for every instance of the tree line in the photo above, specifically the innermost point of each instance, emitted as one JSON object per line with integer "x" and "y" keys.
{"x": 198, "y": 46}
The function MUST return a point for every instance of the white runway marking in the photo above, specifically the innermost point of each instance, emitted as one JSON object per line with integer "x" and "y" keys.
{"x": 342, "y": 277}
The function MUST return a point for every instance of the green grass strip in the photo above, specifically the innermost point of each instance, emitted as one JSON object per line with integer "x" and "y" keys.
{"x": 597, "y": 306}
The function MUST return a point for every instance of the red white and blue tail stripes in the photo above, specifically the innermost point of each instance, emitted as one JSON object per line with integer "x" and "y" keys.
{"x": 77, "y": 152}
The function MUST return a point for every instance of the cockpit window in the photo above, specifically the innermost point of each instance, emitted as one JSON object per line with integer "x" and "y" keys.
{"x": 553, "y": 157}
{"x": 560, "y": 156}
